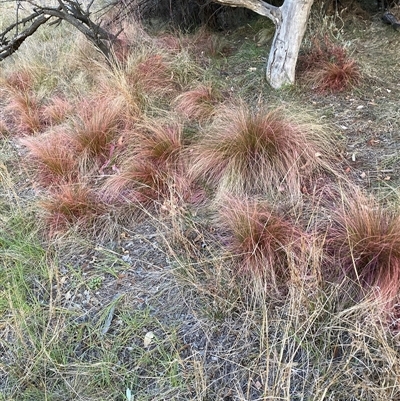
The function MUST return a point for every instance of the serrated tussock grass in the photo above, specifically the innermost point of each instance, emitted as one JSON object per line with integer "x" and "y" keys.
{"x": 144, "y": 79}
{"x": 327, "y": 68}
{"x": 71, "y": 204}
{"x": 52, "y": 156}
{"x": 218, "y": 328}
{"x": 151, "y": 163}
{"x": 264, "y": 242}
{"x": 198, "y": 103}
{"x": 365, "y": 243}
{"x": 57, "y": 110}
{"x": 259, "y": 151}
{"x": 24, "y": 108}
{"x": 96, "y": 125}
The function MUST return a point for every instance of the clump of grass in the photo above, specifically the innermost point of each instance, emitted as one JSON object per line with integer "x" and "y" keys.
{"x": 70, "y": 204}
{"x": 25, "y": 110}
{"x": 151, "y": 163}
{"x": 20, "y": 80}
{"x": 263, "y": 240}
{"x": 326, "y": 67}
{"x": 198, "y": 103}
{"x": 143, "y": 79}
{"x": 96, "y": 125}
{"x": 365, "y": 243}
{"x": 259, "y": 151}
{"x": 56, "y": 111}
{"x": 170, "y": 42}
{"x": 205, "y": 43}
{"x": 53, "y": 157}
{"x": 151, "y": 74}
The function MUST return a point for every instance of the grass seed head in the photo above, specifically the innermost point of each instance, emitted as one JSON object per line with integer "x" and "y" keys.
{"x": 56, "y": 111}
{"x": 326, "y": 67}
{"x": 25, "y": 110}
{"x": 97, "y": 125}
{"x": 151, "y": 163}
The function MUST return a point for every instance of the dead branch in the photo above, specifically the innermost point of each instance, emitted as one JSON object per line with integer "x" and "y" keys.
{"x": 70, "y": 11}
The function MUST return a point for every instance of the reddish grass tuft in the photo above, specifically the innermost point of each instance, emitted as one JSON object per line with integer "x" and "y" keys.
{"x": 334, "y": 77}
{"x": 199, "y": 103}
{"x": 326, "y": 67}
{"x": 56, "y": 111}
{"x": 152, "y": 75}
{"x": 96, "y": 126}
{"x": 25, "y": 110}
{"x": 53, "y": 157}
{"x": 70, "y": 204}
{"x": 20, "y": 80}
{"x": 262, "y": 240}
{"x": 207, "y": 43}
{"x": 151, "y": 165}
{"x": 170, "y": 42}
{"x": 365, "y": 244}
{"x": 258, "y": 152}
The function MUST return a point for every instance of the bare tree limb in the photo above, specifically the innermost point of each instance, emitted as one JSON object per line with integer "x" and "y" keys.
{"x": 8, "y": 47}
{"x": 67, "y": 10}
{"x": 258, "y": 6}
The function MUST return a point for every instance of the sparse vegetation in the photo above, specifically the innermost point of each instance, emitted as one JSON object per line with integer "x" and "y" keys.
{"x": 168, "y": 233}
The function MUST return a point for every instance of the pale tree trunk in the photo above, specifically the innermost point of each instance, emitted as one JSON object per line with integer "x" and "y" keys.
{"x": 290, "y": 25}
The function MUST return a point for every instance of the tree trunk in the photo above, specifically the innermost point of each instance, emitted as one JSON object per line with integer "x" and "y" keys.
{"x": 290, "y": 25}
{"x": 287, "y": 40}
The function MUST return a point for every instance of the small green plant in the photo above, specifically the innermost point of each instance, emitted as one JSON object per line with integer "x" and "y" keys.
{"x": 95, "y": 283}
